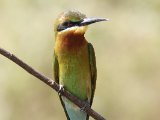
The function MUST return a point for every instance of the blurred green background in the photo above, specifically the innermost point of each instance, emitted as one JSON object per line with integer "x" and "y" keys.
{"x": 127, "y": 50}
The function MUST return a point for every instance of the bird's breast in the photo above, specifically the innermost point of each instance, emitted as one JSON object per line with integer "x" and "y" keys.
{"x": 70, "y": 43}
{"x": 74, "y": 68}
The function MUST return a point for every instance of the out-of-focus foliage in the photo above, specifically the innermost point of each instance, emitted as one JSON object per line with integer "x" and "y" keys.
{"x": 127, "y": 50}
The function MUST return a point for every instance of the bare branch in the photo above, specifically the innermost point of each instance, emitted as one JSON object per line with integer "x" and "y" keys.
{"x": 52, "y": 84}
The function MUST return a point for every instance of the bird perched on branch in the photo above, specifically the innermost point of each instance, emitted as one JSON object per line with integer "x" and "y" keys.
{"x": 74, "y": 61}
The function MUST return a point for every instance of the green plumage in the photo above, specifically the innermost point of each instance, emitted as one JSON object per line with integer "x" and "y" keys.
{"x": 77, "y": 73}
{"x": 74, "y": 61}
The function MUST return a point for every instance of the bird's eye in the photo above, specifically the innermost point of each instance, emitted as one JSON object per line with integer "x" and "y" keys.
{"x": 65, "y": 23}
{"x": 68, "y": 23}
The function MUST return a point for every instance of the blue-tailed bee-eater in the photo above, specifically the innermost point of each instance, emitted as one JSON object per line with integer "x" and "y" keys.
{"x": 74, "y": 61}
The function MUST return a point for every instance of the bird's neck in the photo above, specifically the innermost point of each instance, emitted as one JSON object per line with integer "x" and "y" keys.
{"x": 70, "y": 42}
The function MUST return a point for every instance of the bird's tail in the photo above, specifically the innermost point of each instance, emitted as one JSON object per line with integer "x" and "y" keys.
{"x": 73, "y": 112}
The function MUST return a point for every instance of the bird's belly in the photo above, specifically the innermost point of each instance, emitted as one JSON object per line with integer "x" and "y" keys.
{"x": 75, "y": 74}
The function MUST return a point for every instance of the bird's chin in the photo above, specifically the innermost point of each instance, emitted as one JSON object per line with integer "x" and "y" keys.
{"x": 80, "y": 30}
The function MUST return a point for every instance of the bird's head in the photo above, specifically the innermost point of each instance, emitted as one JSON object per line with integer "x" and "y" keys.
{"x": 73, "y": 22}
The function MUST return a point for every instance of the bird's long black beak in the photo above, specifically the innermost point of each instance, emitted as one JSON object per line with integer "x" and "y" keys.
{"x": 88, "y": 21}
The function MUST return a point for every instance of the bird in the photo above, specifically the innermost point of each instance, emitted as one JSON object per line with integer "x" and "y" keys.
{"x": 74, "y": 61}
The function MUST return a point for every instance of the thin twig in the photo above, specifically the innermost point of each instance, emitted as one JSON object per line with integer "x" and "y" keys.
{"x": 52, "y": 84}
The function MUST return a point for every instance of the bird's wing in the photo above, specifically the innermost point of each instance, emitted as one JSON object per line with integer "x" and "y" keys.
{"x": 56, "y": 78}
{"x": 55, "y": 68}
{"x": 92, "y": 61}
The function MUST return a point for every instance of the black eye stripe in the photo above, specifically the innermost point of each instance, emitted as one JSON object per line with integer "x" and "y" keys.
{"x": 67, "y": 24}
{"x": 70, "y": 23}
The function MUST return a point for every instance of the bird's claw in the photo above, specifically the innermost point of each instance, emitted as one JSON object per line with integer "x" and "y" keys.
{"x": 61, "y": 89}
{"x": 85, "y": 106}
{"x": 52, "y": 82}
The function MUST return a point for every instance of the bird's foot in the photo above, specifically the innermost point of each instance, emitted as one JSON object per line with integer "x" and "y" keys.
{"x": 85, "y": 106}
{"x": 51, "y": 82}
{"x": 61, "y": 89}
